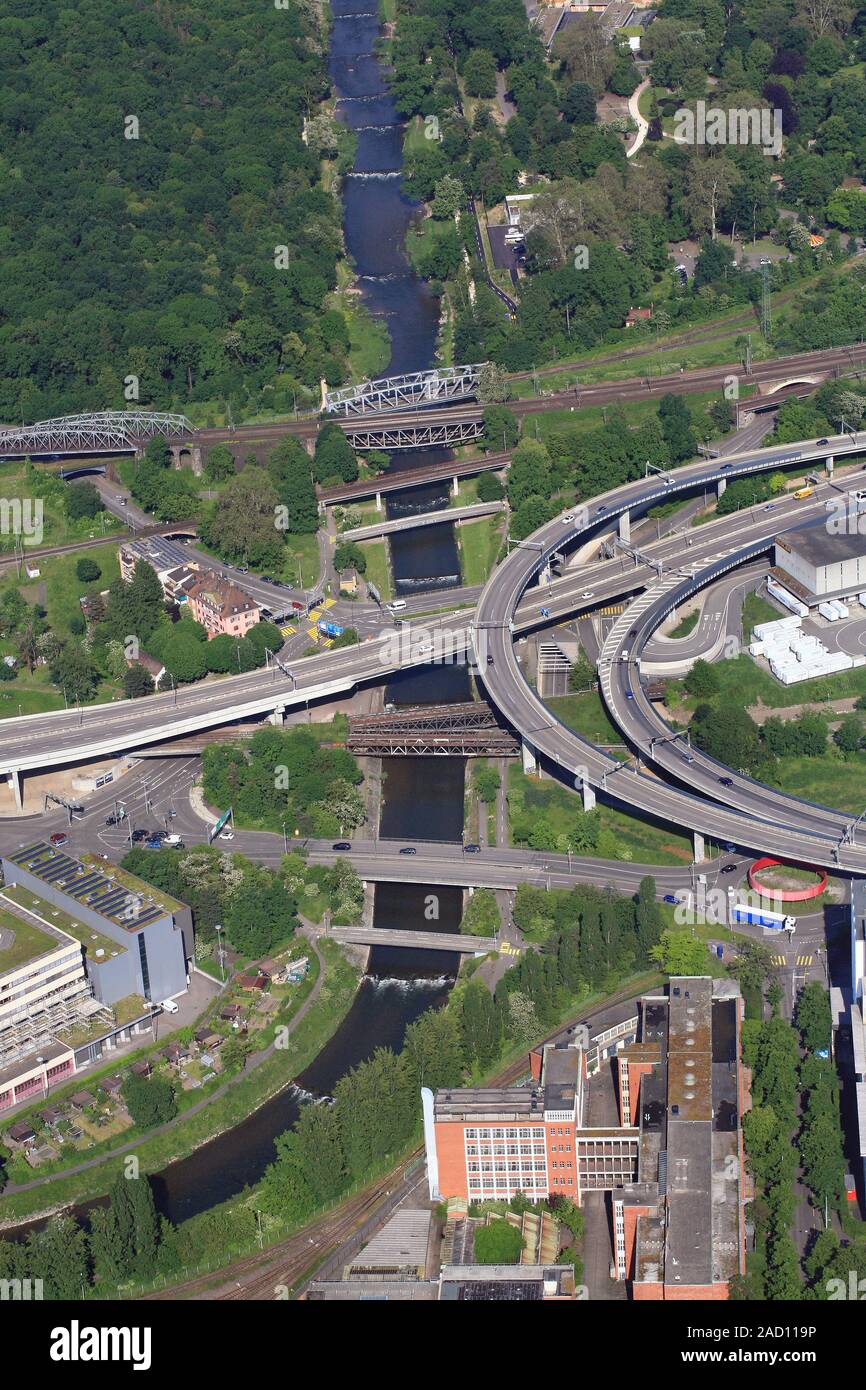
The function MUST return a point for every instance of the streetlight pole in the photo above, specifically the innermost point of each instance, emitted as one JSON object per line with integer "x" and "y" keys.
{"x": 218, "y": 930}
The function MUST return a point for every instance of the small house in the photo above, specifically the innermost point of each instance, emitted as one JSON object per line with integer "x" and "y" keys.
{"x": 637, "y": 316}
{"x": 176, "y": 1054}
{"x": 208, "y": 1039}
{"x": 22, "y": 1133}
{"x": 255, "y": 981}
{"x": 82, "y": 1100}
{"x": 112, "y": 1084}
{"x": 141, "y": 1068}
{"x": 231, "y": 1012}
{"x": 51, "y": 1115}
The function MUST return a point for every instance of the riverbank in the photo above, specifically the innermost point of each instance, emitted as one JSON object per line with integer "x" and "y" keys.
{"x": 329, "y": 997}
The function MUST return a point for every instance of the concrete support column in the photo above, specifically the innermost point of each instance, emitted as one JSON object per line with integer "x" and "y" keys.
{"x": 625, "y": 527}
{"x": 588, "y": 794}
{"x": 720, "y": 486}
{"x": 378, "y": 501}
{"x": 829, "y": 465}
{"x": 197, "y": 464}
{"x": 700, "y": 848}
{"x": 455, "y": 486}
{"x": 530, "y": 762}
{"x": 278, "y": 715}
{"x": 15, "y": 784}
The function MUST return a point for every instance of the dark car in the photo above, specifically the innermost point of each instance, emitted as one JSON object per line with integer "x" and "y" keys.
{"x": 341, "y": 844}
{"x": 600, "y": 509}
{"x": 726, "y": 781}
{"x": 823, "y": 441}
{"x": 408, "y": 849}
{"x": 729, "y": 868}
{"x": 472, "y": 849}
{"x": 725, "y": 467}
{"x": 629, "y": 694}
{"x": 60, "y": 839}
{"x": 490, "y": 661}
{"x": 671, "y": 898}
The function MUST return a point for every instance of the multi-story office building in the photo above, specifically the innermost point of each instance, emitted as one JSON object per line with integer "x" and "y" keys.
{"x": 44, "y": 995}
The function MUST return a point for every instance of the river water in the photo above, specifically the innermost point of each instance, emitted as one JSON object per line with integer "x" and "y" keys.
{"x": 422, "y": 798}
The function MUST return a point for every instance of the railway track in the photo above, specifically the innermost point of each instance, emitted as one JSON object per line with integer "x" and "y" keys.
{"x": 281, "y": 1272}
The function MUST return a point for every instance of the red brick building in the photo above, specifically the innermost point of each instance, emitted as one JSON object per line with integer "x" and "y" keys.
{"x": 673, "y": 1165}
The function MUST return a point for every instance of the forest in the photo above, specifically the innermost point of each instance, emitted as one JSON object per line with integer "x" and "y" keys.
{"x": 164, "y": 235}
{"x": 802, "y": 59}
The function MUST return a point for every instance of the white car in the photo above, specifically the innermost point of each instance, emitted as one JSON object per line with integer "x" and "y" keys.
{"x": 227, "y": 835}
{"x": 588, "y": 593}
{"x": 569, "y": 516}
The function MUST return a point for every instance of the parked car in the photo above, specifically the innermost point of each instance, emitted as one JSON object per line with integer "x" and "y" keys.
{"x": 60, "y": 839}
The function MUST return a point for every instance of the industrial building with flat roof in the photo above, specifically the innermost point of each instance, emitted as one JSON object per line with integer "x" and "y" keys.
{"x": 673, "y": 1165}
{"x": 824, "y": 559}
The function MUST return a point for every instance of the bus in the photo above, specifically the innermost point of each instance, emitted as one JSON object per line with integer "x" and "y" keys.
{"x": 762, "y": 917}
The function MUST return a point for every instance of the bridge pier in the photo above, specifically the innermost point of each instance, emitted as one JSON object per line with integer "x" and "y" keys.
{"x": 455, "y": 487}
{"x": 15, "y": 784}
{"x": 530, "y": 762}
{"x": 625, "y": 527}
{"x": 699, "y": 846}
{"x": 279, "y": 715}
{"x": 828, "y": 464}
{"x": 378, "y": 501}
{"x": 588, "y": 794}
{"x": 720, "y": 486}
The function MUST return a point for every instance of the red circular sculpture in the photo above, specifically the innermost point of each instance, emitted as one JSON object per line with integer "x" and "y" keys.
{"x": 787, "y": 895}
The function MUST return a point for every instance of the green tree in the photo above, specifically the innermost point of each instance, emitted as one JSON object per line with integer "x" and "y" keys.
{"x": 498, "y": 1243}
{"x": 680, "y": 953}
{"x": 87, "y": 570}
{"x": 149, "y": 1100}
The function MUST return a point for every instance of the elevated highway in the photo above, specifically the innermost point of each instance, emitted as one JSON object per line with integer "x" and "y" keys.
{"x": 749, "y": 818}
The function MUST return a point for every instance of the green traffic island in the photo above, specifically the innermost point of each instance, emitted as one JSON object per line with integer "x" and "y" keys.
{"x": 247, "y": 1086}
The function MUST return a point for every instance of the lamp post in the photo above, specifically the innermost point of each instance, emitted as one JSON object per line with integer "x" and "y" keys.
{"x": 218, "y": 930}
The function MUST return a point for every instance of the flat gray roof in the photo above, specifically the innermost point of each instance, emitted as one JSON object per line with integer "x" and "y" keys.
{"x": 817, "y": 546}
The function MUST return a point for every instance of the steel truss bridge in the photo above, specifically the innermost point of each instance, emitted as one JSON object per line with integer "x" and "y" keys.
{"x": 442, "y": 731}
{"x": 413, "y": 434}
{"x": 439, "y": 385}
{"x": 101, "y": 432}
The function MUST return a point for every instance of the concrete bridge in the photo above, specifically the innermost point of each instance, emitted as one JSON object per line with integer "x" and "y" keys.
{"x": 417, "y": 940}
{"x": 420, "y": 519}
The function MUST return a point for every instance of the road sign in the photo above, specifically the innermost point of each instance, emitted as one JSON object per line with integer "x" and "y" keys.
{"x": 215, "y": 829}
{"x": 330, "y": 629}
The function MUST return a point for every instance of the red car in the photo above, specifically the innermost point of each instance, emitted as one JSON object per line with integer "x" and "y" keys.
{"x": 60, "y": 839}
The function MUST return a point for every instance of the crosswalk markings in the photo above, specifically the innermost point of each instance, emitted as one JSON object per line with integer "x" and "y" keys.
{"x": 778, "y": 960}
{"x": 506, "y": 949}
{"x": 804, "y": 960}
{"x": 801, "y": 960}
{"x": 288, "y": 631}
{"x": 612, "y": 611}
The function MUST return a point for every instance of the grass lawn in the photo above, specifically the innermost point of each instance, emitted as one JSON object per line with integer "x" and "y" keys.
{"x": 369, "y": 343}
{"x": 43, "y": 519}
{"x": 831, "y": 781}
{"x": 586, "y": 715}
{"x": 757, "y": 610}
{"x": 638, "y": 840}
{"x": 743, "y": 682}
{"x": 29, "y": 941}
{"x": 63, "y": 588}
{"x": 480, "y": 543}
{"x": 592, "y": 417}
{"x": 378, "y": 569}
{"x": 301, "y": 561}
{"x": 688, "y": 624}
